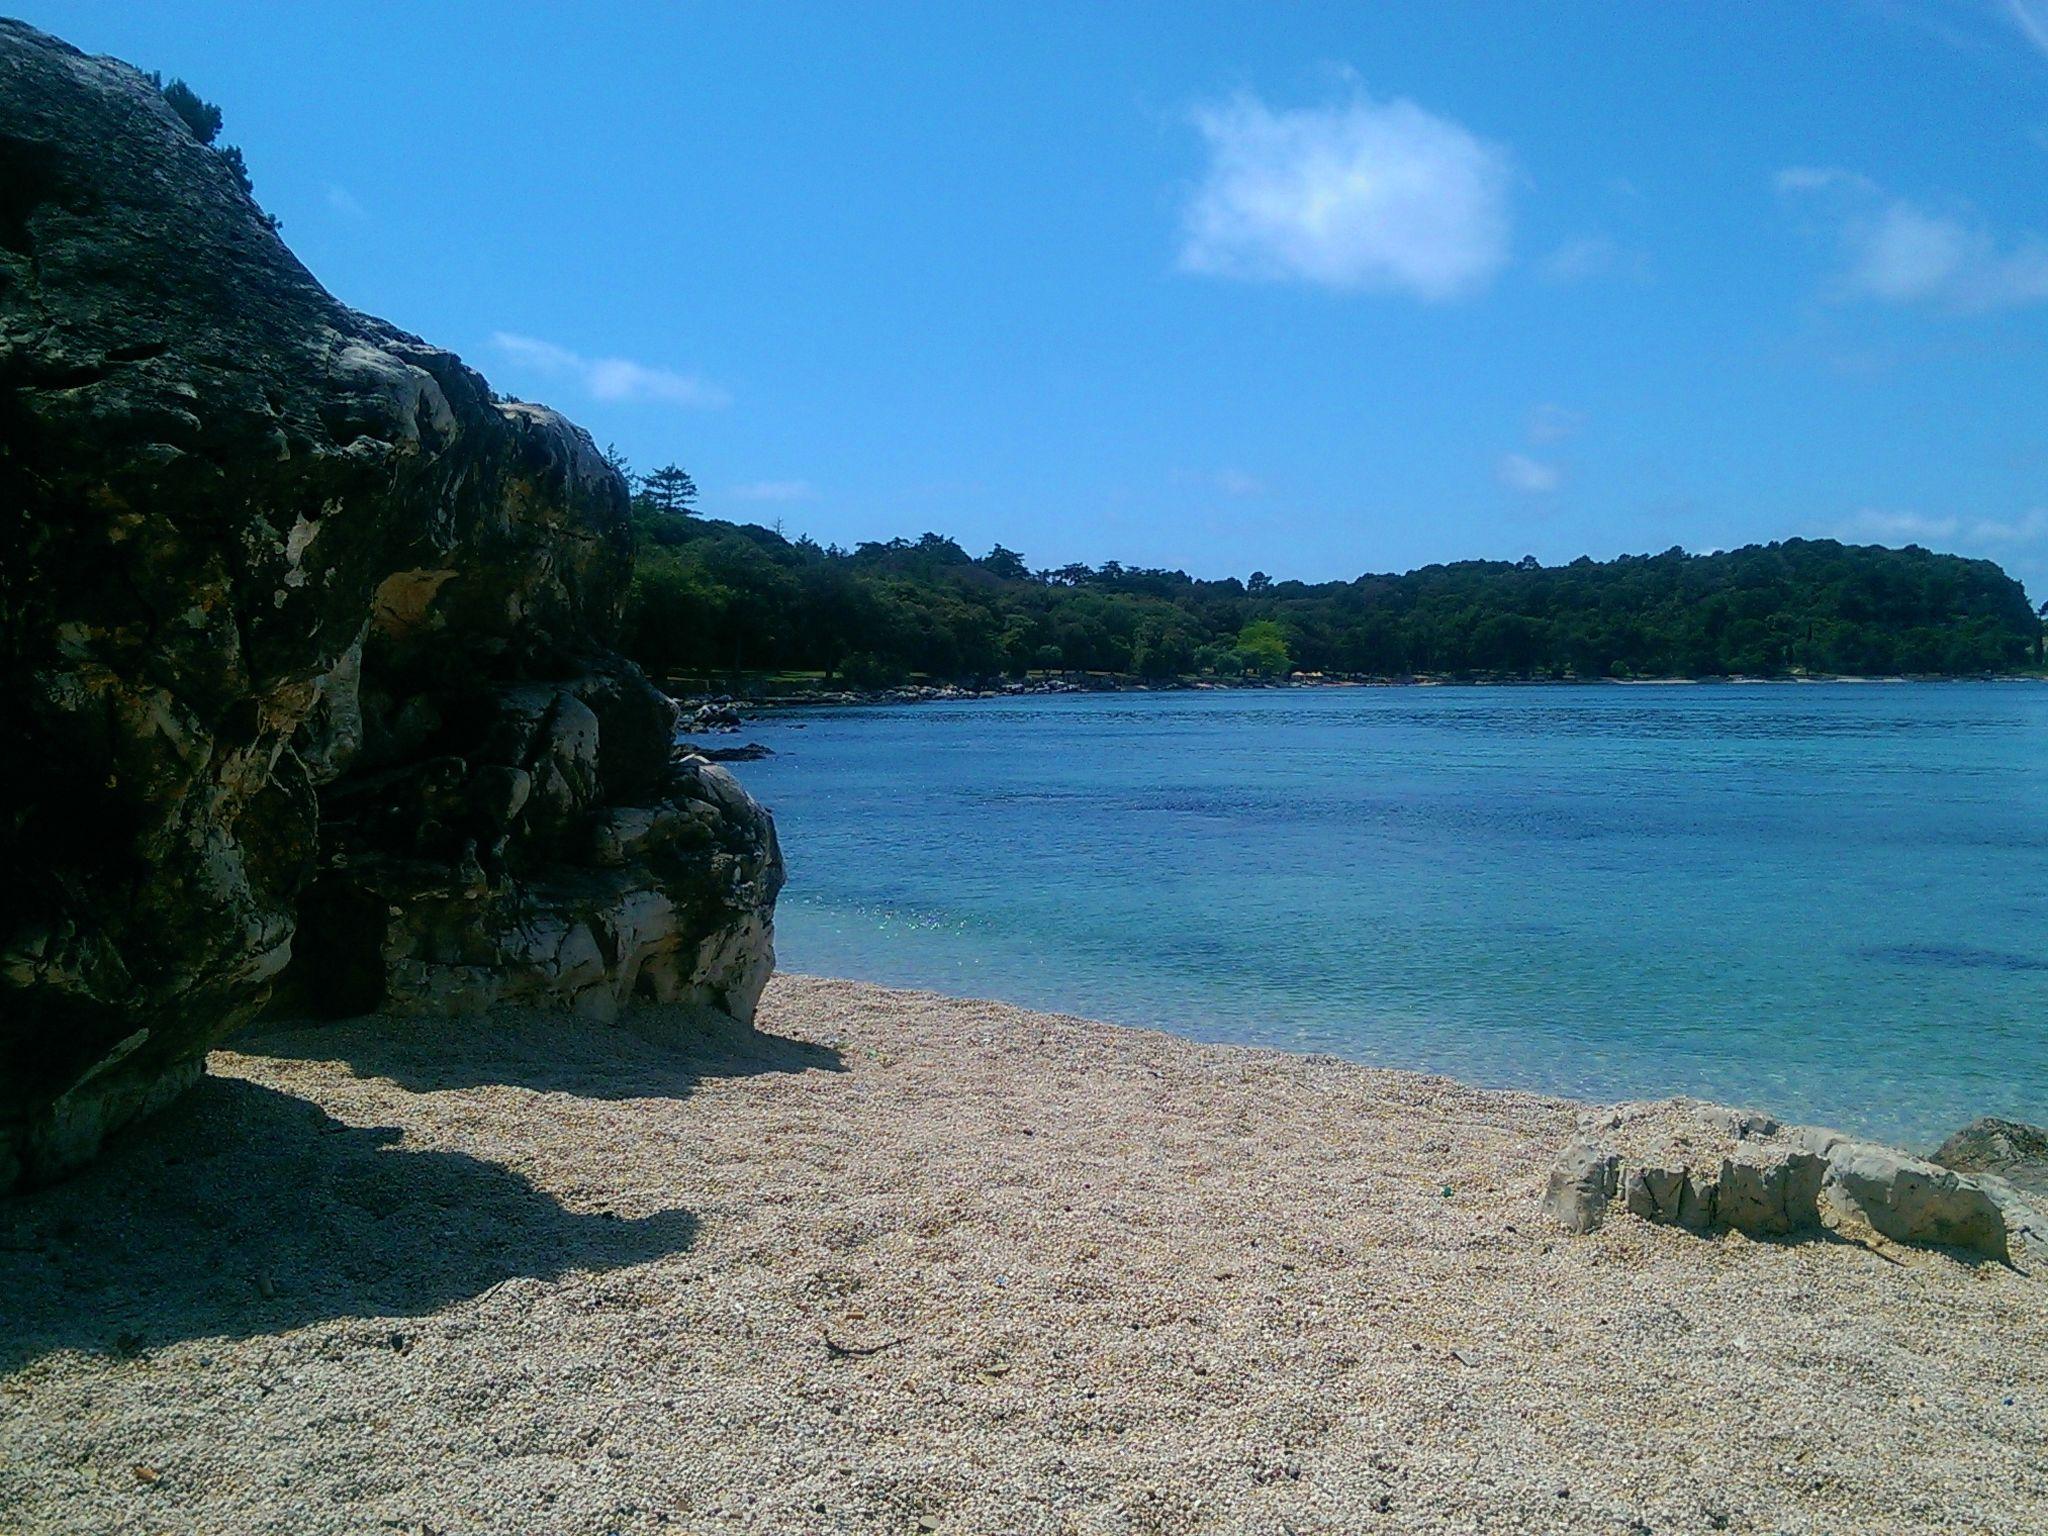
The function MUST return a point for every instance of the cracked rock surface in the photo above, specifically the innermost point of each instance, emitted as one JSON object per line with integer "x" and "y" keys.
{"x": 1711, "y": 1168}
{"x": 307, "y": 662}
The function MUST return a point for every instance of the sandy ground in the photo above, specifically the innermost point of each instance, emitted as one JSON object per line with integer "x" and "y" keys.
{"x": 901, "y": 1263}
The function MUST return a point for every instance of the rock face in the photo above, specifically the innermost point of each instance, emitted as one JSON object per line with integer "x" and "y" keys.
{"x": 2011, "y": 1149}
{"x": 306, "y": 664}
{"x": 1710, "y": 1168}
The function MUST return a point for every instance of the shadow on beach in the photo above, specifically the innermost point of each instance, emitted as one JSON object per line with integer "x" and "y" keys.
{"x": 241, "y": 1210}
{"x": 652, "y": 1052}
{"x": 244, "y": 1210}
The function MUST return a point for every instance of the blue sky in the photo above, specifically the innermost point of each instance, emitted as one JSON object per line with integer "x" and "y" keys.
{"x": 1314, "y": 289}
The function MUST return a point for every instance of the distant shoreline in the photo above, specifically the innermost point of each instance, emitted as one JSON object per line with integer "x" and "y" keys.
{"x": 697, "y": 697}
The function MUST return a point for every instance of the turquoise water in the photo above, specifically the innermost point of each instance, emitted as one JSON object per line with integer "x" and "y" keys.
{"x": 1827, "y": 900}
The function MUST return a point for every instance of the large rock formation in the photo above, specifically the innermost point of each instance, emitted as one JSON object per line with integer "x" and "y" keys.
{"x": 306, "y": 669}
{"x": 1711, "y": 1168}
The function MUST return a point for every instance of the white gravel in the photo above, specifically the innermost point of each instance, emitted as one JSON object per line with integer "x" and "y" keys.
{"x": 903, "y": 1263}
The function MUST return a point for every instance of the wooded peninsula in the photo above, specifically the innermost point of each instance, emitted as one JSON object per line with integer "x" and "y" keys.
{"x": 715, "y": 599}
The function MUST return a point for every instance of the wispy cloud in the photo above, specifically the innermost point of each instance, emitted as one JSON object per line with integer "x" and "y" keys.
{"x": 1899, "y": 252}
{"x": 2031, "y": 17}
{"x": 1587, "y": 257}
{"x": 1359, "y": 195}
{"x": 344, "y": 202}
{"x": 2028, "y": 528}
{"x": 1227, "y": 482}
{"x": 1551, "y": 423}
{"x": 1875, "y": 524}
{"x": 1576, "y": 260}
{"x": 1871, "y": 525}
{"x": 773, "y": 490}
{"x": 1530, "y": 477}
{"x": 610, "y": 378}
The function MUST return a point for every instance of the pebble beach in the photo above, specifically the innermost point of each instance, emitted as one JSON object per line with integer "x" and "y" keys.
{"x": 895, "y": 1262}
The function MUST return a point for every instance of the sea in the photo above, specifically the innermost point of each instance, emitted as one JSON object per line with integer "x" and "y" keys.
{"x": 1825, "y": 900}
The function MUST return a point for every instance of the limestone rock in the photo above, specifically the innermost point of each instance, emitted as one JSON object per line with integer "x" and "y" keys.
{"x": 1580, "y": 1186}
{"x": 1872, "y": 1189}
{"x": 1710, "y": 1168}
{"x": 2012, "y": 1149}
{"x": 307, "y": 666}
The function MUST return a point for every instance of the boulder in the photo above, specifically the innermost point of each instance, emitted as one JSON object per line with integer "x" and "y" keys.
{"x": 2011, "y": 1149}
{"x": 1581, "y": 1184}
{"x": 308, "y": 663}
{"x": 1868, "y": 1189}
{"x": 1709, "y": 1168}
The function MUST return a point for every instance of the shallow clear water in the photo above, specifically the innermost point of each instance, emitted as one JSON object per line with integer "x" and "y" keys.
{"x": 1829, "y": 900}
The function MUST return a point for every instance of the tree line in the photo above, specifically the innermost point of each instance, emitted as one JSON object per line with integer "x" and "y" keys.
{"x": 713, "y": 599}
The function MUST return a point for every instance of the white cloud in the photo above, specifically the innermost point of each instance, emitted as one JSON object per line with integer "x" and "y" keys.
{"x": 1586, "y": 257}
{"x": 1531, "y": 477}
{"x": 1576, "y": 260}
{"x": 611, "y": 378}
{"x": 1227, "y": 482}
{"x": 1874, "y": 526}
{"x": 1896, "y": 251}
{"x": 1355, "y": 196}
{"x": 2028, "y": 528}
{"x": 1914, "y": 527}
{"x": 773, "y": 490}
{"x": 1550, "y": 423}
{"x": 2031, "y": 17}
{"x": 344, "y": 202}
{"x": 1817, "y": 178}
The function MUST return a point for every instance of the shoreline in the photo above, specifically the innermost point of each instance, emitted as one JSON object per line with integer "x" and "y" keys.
{"x": 904, "y": 1262}
{"x": 697, "y": 700}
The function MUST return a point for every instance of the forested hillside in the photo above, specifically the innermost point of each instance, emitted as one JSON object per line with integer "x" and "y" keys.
{"x": 712, "y": 598}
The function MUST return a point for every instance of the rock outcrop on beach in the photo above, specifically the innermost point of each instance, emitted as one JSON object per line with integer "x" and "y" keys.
{"x": 1711, "y": 1168}
{"x": 307, "y": 660}
{"x": 2009, "y": 1149}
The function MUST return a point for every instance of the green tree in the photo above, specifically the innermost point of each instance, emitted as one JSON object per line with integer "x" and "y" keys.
{"x": 1005, "y": 563}
{"x": 670, "y": 489}
{"x": 1264, "y": 645}
{"x": 716, "y": 598}
{"x": 202, "y": 117}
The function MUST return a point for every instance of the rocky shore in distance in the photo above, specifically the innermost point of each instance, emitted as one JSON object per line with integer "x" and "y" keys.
{"x": 694, "y": 702}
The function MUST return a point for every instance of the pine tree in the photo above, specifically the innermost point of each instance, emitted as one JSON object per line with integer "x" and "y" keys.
{"x": 202, "y": 117}
{"x": 670, "y": 489}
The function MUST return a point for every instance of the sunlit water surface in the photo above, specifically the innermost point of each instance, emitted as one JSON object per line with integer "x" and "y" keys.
{"x": 1826, "y": 900}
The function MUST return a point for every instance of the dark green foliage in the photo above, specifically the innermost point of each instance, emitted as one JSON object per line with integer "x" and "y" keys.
{"x": 668, "y": 489}
{"x": 712, "y": 597}
{"x": 232, "y": 153}
{"x": 204, "y": 119}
